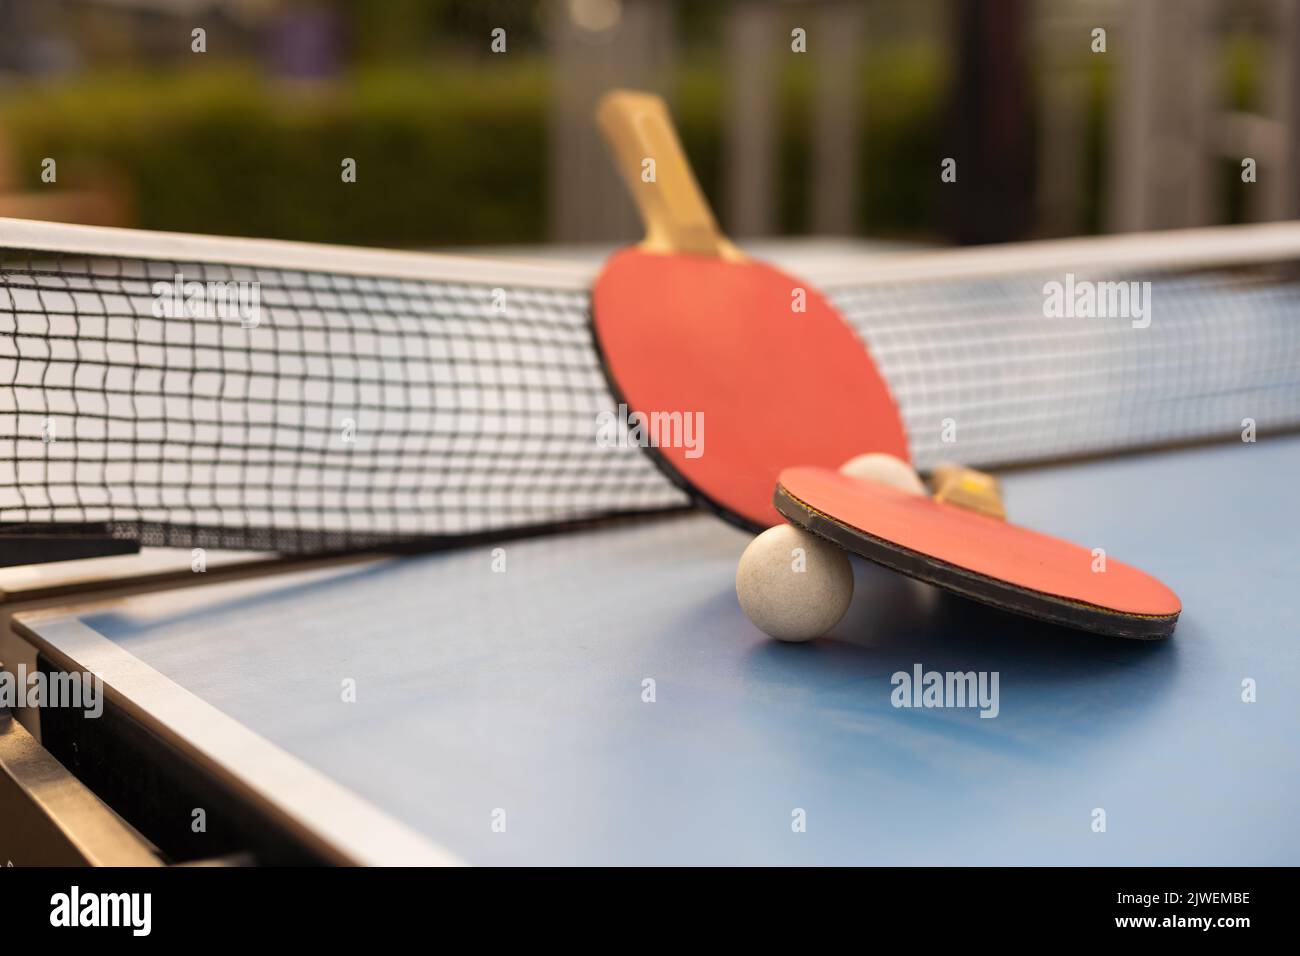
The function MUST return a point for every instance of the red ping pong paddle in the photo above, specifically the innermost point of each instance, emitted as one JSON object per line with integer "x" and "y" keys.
{"x": 768, "y": 372}
{"x": 977, "y": 556}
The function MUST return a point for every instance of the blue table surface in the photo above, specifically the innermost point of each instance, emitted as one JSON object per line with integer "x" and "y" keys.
{"x": 522, "y": 690}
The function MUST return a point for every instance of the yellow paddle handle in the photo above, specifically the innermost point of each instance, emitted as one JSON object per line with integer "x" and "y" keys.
{"x": 652, "y": 163}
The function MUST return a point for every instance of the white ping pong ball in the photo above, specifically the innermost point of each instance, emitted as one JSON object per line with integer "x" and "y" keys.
{"x": 886, "y": 470}
{"x": 792, "y": 584}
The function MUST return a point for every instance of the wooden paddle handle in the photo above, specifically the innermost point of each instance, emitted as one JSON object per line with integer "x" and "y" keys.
{"x": 676, "y": 215}
{"x": 968, "y": 488}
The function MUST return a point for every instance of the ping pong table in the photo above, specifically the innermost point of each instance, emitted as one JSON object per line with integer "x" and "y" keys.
{"x": 597, "y": 696}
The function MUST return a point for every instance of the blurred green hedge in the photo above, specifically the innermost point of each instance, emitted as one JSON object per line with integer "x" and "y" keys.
{"x": 446, "y": 155}
{"x": 456, "y": 153}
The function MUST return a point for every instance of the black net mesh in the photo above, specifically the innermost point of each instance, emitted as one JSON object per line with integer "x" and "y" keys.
{"x": 355, "y": 411}
{"x": 296, "y": 410}
{"x": 983, "y": 377}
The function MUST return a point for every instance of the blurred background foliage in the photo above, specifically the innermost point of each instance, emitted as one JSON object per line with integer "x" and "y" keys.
{"x": 225, "y": 151}
{"x": 451, "y": 141}
{"x": 443, "y": 155}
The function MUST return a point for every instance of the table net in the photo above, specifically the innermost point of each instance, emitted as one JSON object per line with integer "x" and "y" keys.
{"x": 194, "y": 392}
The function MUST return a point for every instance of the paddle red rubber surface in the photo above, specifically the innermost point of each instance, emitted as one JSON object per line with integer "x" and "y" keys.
{"x": 990, "y": 560}
{"x": 772, "y": 387}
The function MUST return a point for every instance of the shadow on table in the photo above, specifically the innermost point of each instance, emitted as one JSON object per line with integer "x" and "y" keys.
{"x": 1056, "y": 687}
